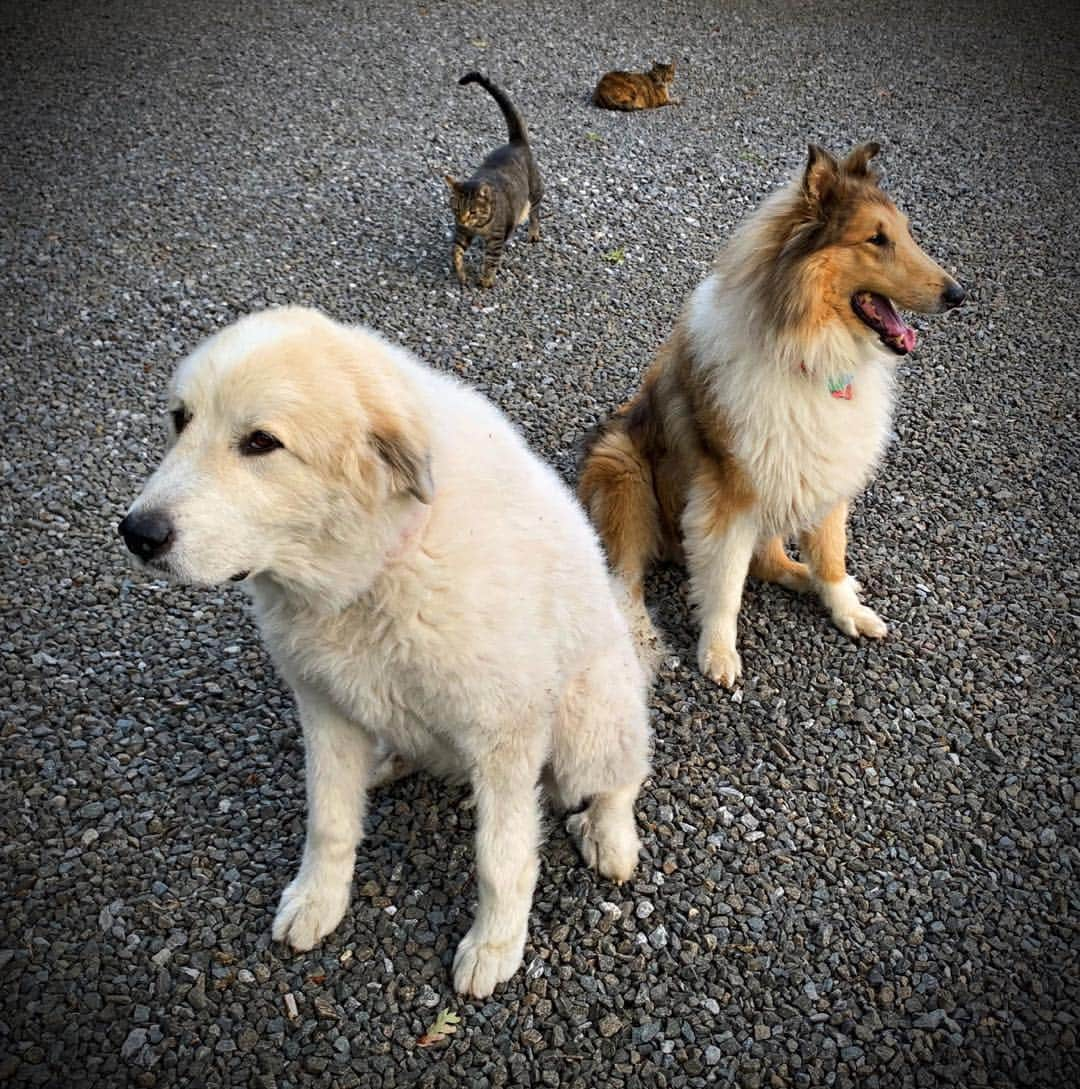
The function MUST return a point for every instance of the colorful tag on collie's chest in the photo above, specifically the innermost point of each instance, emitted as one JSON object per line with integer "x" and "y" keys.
{"x": 840, "y": 386}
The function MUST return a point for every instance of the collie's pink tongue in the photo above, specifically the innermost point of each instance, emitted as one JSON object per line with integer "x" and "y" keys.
{"x": 893, "y": 328}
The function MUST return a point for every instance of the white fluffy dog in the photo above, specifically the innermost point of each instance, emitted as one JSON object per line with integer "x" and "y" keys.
{"x": 428, "y": 588}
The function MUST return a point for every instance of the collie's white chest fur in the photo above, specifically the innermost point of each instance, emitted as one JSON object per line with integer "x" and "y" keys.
{"x": 808, "y": 423}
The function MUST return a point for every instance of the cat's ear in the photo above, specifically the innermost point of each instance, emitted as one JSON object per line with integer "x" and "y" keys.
{"x": 820, "y": 176}
{"x": 452, "y": 182}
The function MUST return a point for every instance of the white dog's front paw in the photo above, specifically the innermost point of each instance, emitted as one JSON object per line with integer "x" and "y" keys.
{"x": 308, "y": 911}
{"x": 480, "y": 965}
{"x": 610, "y": 847}
{"x": 720, "y": 662}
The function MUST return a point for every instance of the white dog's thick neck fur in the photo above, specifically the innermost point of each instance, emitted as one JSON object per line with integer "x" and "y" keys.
{"x": 804, "y": 449}
{"x": 475, "y": 634}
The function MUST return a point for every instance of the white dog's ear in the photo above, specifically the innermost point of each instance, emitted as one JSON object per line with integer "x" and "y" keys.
{"x": 409, "y": 464}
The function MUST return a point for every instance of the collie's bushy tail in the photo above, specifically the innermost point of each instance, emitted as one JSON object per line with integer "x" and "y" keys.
{"x": 616, "y": 488}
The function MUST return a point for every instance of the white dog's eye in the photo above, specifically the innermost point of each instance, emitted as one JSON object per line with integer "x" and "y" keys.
{"x": 180, "y": 419}
{"x": 259, "y": 442}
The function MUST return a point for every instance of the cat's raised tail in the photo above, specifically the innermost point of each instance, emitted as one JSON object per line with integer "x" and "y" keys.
{"x": 515, "y": 124}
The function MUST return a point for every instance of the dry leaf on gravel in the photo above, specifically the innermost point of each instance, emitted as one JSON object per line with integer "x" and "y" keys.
{"x": 444, "y": 1025}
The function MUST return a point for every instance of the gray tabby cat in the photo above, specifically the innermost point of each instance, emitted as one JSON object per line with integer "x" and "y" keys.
{"x": 499, "y": 197}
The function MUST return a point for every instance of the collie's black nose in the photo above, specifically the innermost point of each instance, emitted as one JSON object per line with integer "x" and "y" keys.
{"x": 148, "y": 533}
{"x": 953, "y": 295}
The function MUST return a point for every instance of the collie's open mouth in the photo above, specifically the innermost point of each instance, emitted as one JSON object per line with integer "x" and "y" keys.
{"x": 879, "y": 313}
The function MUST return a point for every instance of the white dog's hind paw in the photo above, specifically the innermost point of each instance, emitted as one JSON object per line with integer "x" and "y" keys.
{"x": 308, "y": 911}
{"x": 480, "y": 965}
{"x": 390, "y": 767}
{"x": 721, "y": 663}
{"x": 610, "y": 847}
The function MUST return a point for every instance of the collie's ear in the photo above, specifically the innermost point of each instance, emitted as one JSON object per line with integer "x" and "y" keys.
{"x": 408, "y": 462}
{"x": 821, "y": 174}
{"x": 858, "y": 160}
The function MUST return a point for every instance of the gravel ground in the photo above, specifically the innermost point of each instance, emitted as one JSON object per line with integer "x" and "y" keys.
{"x": 860, "y": 870}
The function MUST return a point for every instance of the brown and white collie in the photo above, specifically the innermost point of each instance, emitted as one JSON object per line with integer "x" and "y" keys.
{"x": 767, "y": 409}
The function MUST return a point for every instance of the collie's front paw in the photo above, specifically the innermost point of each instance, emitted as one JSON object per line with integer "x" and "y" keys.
{"x": 720, "y": 662}
{"x": 841, "y": 598}
{"x": 480, "y": 965}
{"x": 308, "y": 911}
{"x": 861, "y": 621}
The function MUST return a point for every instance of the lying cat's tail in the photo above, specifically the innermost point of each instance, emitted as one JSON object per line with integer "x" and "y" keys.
{"x": 515, "y": 124}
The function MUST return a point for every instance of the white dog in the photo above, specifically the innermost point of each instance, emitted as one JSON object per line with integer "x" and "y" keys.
{"x": 428, "y": 588}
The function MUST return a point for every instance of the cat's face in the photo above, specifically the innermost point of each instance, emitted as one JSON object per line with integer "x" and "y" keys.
{"x": 473, "y": 205}
{"x": 663, "y": 73}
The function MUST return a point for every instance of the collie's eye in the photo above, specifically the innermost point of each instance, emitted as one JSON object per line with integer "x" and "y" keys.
{"x": 180, "y": 419}
{"x": 878, "y": 239}
{"x": 259, "y": 442}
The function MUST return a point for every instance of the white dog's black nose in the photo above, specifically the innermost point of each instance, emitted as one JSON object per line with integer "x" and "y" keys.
{"x": 147, "y": 533}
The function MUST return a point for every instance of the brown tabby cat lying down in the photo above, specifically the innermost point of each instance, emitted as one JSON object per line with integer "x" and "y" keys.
{"x": 499, "y": 197}
{"x": 636, "y": 90}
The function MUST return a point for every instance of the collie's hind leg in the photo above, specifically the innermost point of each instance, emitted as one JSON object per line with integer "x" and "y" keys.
{"x": 601, "y": 753}
{"x": 720, "y": 532}
{"x": 772, "y": 564}
{"x": 825, "y": 550}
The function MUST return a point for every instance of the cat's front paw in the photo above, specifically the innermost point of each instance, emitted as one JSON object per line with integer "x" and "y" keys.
{"x": 487, "y": 280}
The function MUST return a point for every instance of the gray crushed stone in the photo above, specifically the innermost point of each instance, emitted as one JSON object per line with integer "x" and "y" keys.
{"x": 862, "y": 872}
